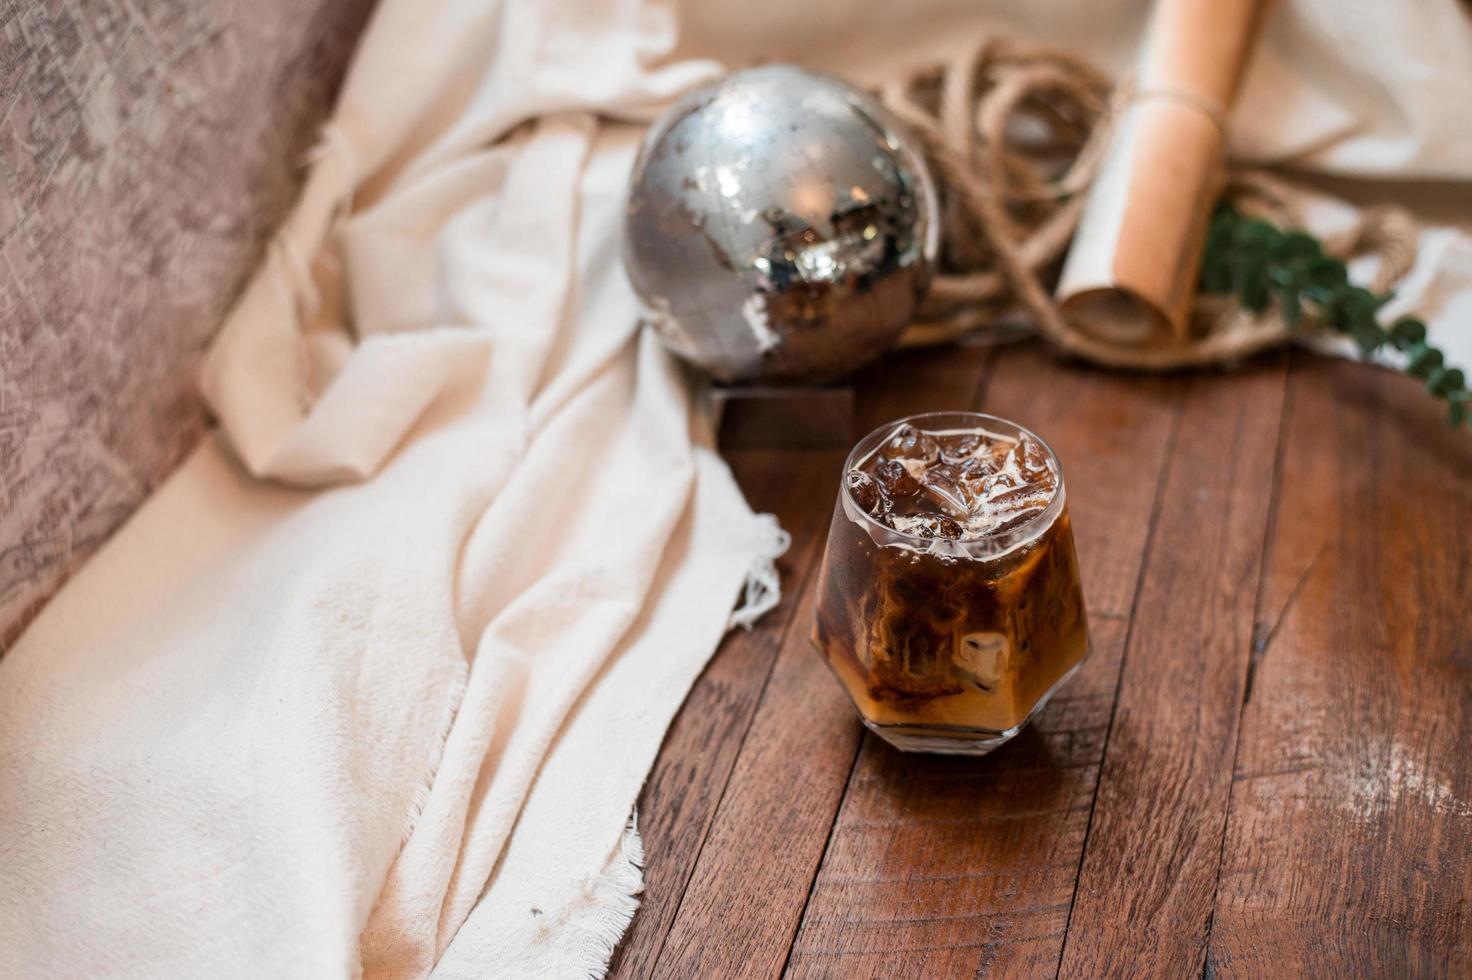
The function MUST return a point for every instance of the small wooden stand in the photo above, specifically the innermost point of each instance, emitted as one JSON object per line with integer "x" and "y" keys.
{"x": 796, "y": 417}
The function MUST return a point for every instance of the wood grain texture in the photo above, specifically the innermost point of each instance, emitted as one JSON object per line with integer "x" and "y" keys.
{"x": 1148, "y": 877}
{"x": 934, "y": 858}
{"x": 737, "y": 917}
{"x": 700, "y": 748}
{"x": 1351, "y": 821}
{"x": 739, "y": 913}
{"x": 1261, "y": 771}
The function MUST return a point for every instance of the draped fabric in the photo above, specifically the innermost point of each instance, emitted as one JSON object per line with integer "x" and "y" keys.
{"x": 371, "y": 684}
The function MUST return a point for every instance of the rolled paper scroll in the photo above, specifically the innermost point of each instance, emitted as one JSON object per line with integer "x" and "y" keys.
{"x": 1130, "y": 274}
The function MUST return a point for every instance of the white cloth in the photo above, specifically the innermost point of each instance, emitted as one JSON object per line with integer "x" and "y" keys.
{"x": 381, "y": 699}
{"x": 1357, "y": 88}
{"x": 303, "y": 732}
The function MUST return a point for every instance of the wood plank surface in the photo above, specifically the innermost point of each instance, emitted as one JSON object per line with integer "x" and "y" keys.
{"x": 1148, "y": 876}
{"x": 748, "y": 887}
{"x": 700, "y": 748}
{"x": 931, "y": 856}
{"x": 1347, "y": 851}
{"x": 1262, "y": 770}
{"x": 729, "y": 919}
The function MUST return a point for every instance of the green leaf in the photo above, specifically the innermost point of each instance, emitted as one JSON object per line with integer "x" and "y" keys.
{"x": 1216, "y": 261}
{"x": 1297, "y": 247}
{"x": 1367, "y": 333}
{"x": 1360, "y": 303}
{"x": 1255, "y": 235}
{"x": 1282, "y": 275}
{"x": 1216, "y": 277}
{"x": 1250, "y": 280}
{"x": 1407, "y": 332}
{"x": 1264, "y": 265}
{"x": 1319, "y": 295}
{"x": 1423, "y": 361}
{"x": 1252, "y": 287}
{"x": 1335, "y": 313}
{"x": 1291, "y": 307}
{"x": 1326, "y": 272}
{"x": 1444, "y": 381}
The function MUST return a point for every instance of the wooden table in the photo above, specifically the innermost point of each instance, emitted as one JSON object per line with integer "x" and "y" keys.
{"x": 1265, "y": 768}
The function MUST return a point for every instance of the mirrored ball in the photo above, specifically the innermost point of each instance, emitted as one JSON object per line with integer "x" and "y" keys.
{"x": 781, "y": 227}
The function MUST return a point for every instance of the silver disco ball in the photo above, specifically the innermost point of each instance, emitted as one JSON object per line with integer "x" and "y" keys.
{"x": 781, "y": 227}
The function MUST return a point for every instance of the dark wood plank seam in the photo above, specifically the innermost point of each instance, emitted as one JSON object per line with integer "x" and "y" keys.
{"x": 809, "y": 571}
{"x": 983, "y": 818}
{"x": 1259, "y": 641}
{"x": 969, "y": 876}
{"x": 1263, "y": 633}
{"x": 984, "y": 376}
{"x": 853, "y": 766}
{"x": 948, "y": 947}
{"x": 960, "y": 917}
{"x": 1166, "y": 459}
{"x": 953, "y": 779}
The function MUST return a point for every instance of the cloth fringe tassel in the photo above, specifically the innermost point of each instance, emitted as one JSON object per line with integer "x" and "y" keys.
{"x": 763, "y": 587}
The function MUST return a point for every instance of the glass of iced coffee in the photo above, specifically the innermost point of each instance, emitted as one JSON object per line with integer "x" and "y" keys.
{"x": 948, "y": 603}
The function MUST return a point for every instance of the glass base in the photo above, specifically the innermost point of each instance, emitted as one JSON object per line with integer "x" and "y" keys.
{"x": 941, "y": 739}
{"x": 957, "y": 739}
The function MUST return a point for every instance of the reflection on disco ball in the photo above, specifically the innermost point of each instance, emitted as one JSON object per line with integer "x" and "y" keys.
{"x": 781, "y": 226}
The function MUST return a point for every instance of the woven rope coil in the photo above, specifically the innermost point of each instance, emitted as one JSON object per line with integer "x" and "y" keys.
{"x": 1015, "y": 134}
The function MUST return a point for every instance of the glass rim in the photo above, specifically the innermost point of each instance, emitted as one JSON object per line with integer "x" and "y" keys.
{"x": 992, "y": 542}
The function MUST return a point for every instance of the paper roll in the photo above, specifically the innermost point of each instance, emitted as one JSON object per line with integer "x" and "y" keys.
{"x": 1131, "y": 271}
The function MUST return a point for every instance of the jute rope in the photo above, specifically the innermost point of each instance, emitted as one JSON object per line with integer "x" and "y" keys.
{"x": 1015, "y": 134}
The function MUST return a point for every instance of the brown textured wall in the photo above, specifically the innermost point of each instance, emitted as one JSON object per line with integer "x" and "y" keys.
{"x": 147, "y": 149}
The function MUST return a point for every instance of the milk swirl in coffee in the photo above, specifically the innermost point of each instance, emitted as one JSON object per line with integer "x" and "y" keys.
{"x": 949, "y": 603}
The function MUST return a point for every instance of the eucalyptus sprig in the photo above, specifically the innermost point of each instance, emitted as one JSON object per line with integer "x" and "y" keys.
{"x": 1260, "y": 263}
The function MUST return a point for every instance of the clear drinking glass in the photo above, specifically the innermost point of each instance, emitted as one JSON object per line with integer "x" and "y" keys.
{"x": 949, "y": 605}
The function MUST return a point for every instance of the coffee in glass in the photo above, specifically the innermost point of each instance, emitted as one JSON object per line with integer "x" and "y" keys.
{"x": 949, "y": 604}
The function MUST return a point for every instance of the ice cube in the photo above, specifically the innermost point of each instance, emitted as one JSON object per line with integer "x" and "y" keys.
{"x": 934, "y": 526}
{"x": 940, "y": 483}
{"x": 895, "y": 479}
{"x": 867, "y": 494}
{"x": 1031, "y": 463}
{"x": 948, "y": 529}
{"x": 997, "y": 451}
{"x": 981, "y": 658}
{"x": 1009, "y": 520}
{"x": 1015, "y": 507}
{"x": 908, "y": 442}
{"x": 957, "y": 447}
{"x": 971, "y": 474}
{"x": 997, "y": 483}
{"x": 931, "y": 526}
{"x": 1031, "y": 497}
